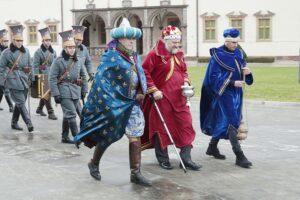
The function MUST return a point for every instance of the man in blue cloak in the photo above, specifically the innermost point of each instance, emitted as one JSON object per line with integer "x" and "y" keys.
{"x": 113, "y": 104}
{"x": 222, "y": 96}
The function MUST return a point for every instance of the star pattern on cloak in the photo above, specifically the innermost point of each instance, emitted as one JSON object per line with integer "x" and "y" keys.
{"x": 108, "y": 75}
{"x": 104, "y": 132}
{"x": 98, "y": 89}
{"x": 102, "y": 81}
{"x": 95, "y": 97}
{"x": 111, "y": 128}
{"x": 105, "y": 96}
{"x": 89, "y": 124}
{"x": 117, "y": 68}
{"x": 120, "y": 77}
{"x": 113, "y": 83}
{"x": 119, "y": 110}
{"x": 124, "y": 84}
{"x": 127, "y": 71}
{"x": 113, "y": 59}
{"x": 118, "y": 87}
{"x": 107, "y": 107}
{"x": 91, "y": 101}
{"x": 100, "y": 101}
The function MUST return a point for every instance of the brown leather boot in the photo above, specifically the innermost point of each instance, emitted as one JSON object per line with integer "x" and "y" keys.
{"x": 135, "y": 163}
{"x": 94, "y": 163}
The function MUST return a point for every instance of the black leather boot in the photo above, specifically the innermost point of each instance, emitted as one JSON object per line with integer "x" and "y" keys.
{"x": 94, "y": 163}
{"x": 15, "y": 119}
{"x": 241, "y": 159}
{"x": 74, "y": 130}
{"x": 9, "y": 102}
{"x": 135, "y": 163}
{"x": 185, "y": 155}
{"x": 213, "y": 150}
{"x": 39, "y": 109}
{"x": 162, "y": 155}
{"x": 1, "y": 96}
{"x": 26, "y": 117}
{"x": 65, "y": 132}
{"x": 50, "y": 110}
{"x": 52, "y": 116}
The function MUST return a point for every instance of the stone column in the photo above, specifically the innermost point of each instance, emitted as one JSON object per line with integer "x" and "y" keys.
{"x": 108, "y": 37}
{"x": 146, "y": 39}
{"x": 184, "y": 38}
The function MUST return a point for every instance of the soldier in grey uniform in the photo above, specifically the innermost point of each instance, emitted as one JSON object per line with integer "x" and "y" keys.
{"x": 42, "y": 60}
{"x": 15, "y": 67}
{"x": 81, "y": 50}
{"x": 82, "y": 54}
{"x": 5, "y": 92}
{"x": 67, "y": 76}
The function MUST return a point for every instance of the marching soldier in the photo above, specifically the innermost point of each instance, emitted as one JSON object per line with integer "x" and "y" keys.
{"x": 5, "y": 92}
{"x": 42, "y": 60}
{"x": 15, "y": 67}
{"x": 81, "y": 50}
{"x": 67, "y": 76}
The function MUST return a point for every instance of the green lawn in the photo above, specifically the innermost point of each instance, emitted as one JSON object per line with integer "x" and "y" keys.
{"x": 270, "y": 83}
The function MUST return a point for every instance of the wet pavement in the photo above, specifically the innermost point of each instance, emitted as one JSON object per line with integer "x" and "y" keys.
{"x": 37, "y": 166}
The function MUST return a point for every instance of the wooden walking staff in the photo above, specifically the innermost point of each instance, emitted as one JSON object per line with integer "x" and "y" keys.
{"x": 167, "y": 130}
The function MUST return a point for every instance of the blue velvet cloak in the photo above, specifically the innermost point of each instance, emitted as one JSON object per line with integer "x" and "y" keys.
{"x": 221, "y": 103}
{"x": 109, "y": 103}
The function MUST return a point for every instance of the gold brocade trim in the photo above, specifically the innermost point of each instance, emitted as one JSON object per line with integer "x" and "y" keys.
{"x": 225, "y": 84}
{"x": 151, "y": 89}
{"x": 145, "y": 146}
{"x": 177, "y": 61}
{"x": 171, "y": 69}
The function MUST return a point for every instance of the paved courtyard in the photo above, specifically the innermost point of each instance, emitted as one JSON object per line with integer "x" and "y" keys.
{"x": 37, "y": 166}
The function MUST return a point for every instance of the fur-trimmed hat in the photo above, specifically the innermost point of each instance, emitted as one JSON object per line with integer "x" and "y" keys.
{"x": 231, "y": 34}
{"x": 67, "y": 37}
{"x": 125, "y": 31}
{"x": 170, "y": 33}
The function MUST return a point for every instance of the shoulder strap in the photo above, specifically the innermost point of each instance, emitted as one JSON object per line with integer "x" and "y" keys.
{"x": 14, "y": 65}
{"x": 47, "y": 59}
{"x": 67, "y": 71}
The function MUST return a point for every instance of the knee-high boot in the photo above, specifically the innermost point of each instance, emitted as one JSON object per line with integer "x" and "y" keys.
{"x": 74, "y": 130}
{"x": 95, "y": 161}
{"x": 9, "y": 102}
{"x": 135, "y": 163}
{"x": 213, "y": 150}
{"x": 186, "y": 157}
{"x": 1, "y": 96}
{"x": 15, "y": 119}
{"x": 65, "y": 132}
{"x": 241, "y": 159}
{"x": 26, "y": 117}
{"x": 39, "y": 109}
{"x": 50, "y": 110}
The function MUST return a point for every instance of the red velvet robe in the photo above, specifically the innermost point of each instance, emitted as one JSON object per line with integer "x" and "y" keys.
{"x": 166, "y": 72}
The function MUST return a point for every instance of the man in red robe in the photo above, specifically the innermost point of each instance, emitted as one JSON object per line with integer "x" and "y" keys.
{"x": 166, "y": 72}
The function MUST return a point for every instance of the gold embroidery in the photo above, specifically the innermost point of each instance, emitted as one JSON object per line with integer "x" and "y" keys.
{"x": 171, "y": 69}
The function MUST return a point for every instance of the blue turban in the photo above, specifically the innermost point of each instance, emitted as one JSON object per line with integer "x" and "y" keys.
{"x": 125, "y": 31}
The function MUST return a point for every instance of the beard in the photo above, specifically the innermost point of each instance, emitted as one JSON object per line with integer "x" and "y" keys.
{"x": 172, "y": 50}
